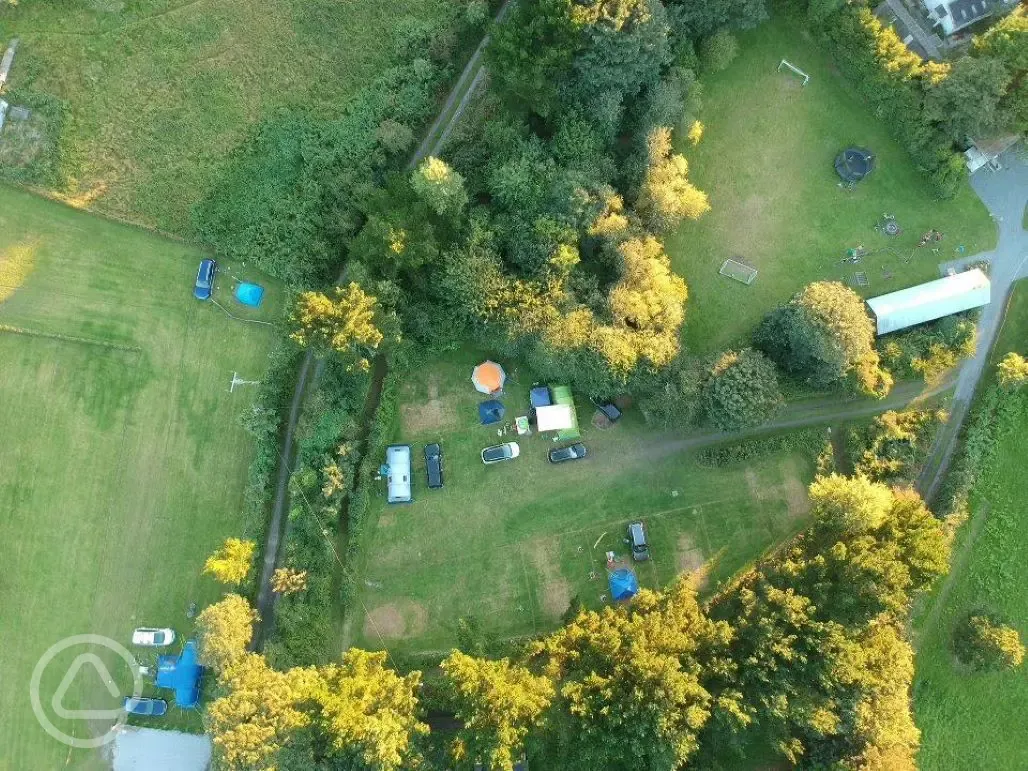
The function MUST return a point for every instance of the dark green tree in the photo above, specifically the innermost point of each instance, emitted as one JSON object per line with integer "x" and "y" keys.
{"x": 967, "y": 102}
{"x": 718, "y": 51}
{"x": 824, "y": 336}
{"x": 741, "y": 390}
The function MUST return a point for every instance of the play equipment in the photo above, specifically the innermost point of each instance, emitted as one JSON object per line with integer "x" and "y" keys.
{"x": 744, "y": 274}
{"x": 853, "y": 164}
{"x": 250, "y": 294}
{"x": 795, "y": 69}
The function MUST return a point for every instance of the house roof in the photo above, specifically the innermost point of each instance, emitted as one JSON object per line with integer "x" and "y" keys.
{"x": 954, "y": 15}
{"x": 927, "y": 302}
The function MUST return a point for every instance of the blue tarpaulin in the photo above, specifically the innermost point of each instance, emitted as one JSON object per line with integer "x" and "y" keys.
{"x": 623, "y": 584}
{"x": 181, "y": 673}
{"x": 250, "y": 294}
{"x": 490, "y": 412}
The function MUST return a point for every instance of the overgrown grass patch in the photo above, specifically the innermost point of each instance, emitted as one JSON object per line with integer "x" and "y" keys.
{"x": 766, "y": 161}
{"x": 976, "y": 720}
{"x": 512, "y": 544}
{"x": 158, "y": 92}
{"x": 123, "y": 459}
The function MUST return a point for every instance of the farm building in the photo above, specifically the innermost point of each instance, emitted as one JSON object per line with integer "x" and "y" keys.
{"x": 927, "y": 302}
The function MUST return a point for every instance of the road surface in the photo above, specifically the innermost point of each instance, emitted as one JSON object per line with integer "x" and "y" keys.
{"x": 1005, "y": 193}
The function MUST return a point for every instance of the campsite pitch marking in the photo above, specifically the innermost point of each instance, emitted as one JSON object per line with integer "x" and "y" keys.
{"x": 56, "y": 702}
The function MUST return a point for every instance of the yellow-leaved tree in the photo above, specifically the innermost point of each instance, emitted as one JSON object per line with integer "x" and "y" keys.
{"x": 346, "y": 321}
{"x": 367, "y": 711}
{"x": 260, "y": 711}
{"x": 288, "y": 580}
{"x": 224, "y": 630}
{"x": 499, "y": 703}
{"x": 231, "y": 563}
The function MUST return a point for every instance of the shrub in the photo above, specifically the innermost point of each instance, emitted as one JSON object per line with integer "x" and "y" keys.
{"x": 1012, "y": 371}
{"x": 718, "y": 51}
{"x": 984, "y": 643}
{"x": 892, "y": 447}
{"x": 929, "y": 350}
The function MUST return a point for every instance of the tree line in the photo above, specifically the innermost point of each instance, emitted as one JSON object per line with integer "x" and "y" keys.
{"x": 805, "y": 652}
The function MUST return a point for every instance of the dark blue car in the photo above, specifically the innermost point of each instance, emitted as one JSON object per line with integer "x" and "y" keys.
{"x": 148, "y": 707}
{"x": 205, "y": 280}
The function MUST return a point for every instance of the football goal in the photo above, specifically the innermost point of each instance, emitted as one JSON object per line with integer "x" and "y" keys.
{"x": 794, "y": 68}
{"x": 736, "y": 270}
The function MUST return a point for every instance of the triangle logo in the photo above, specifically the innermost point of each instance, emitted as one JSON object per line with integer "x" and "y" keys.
{"x": 69, "y": 677}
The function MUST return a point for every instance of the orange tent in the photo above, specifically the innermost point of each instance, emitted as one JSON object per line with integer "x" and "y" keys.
{"x": 488, "y": 377}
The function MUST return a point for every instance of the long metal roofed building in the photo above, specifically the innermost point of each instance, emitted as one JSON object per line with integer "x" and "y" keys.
{"x": 927, "y": 302}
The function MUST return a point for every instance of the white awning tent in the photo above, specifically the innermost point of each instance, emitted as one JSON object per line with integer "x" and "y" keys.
{"x": 554, "y": 417}
{"x": 927, "y": 302}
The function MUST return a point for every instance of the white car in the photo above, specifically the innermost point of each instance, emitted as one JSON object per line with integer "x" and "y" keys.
{"x": 153, "y": 638}
{"x": 500, "y": 452}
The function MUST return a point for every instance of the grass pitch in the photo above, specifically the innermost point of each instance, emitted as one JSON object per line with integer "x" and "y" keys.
{"x": 123, "y": 461}
{"x": 511, "y": 544}
{"x": 766, "y": 161}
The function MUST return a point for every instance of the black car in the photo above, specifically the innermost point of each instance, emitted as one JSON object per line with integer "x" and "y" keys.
{"x": 571, "y": 452}
{"x": 434, "y": 465}
{"x": 637, "y": 540}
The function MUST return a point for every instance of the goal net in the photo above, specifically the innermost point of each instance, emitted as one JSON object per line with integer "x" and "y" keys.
{"x": 793, "y": 68}
{"x": 736, "y": 270}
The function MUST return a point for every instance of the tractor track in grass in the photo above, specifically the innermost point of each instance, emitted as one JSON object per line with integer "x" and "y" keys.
{"x": 471, "y": 79}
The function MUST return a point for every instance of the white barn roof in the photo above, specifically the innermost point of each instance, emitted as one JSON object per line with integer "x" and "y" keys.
{"x": 927, "y": 302}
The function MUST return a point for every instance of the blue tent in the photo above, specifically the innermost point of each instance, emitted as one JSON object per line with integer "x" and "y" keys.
{"x": 623, "y": 584}
{"x": 250, "y": 294}
{"x": 540, "y": 396}
{"x": 181, "y": 673}
{"x": 490, "y": 412}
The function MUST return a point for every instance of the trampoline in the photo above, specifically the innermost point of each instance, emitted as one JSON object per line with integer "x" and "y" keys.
{"x": 853, "y": 164}
{"x": 250, "y": 294}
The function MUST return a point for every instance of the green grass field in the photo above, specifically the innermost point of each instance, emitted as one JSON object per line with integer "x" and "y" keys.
{"x": 159, "y": 91}
{"x": 977, "y": 720}
{"x": 511, "y": 544}
{"x": 123, "y": 458}
{"x": 766, "y": 161}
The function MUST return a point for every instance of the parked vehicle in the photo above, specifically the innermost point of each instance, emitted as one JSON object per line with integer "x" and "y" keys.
{"x": 500, "y": 452}
{"x": 571, "y": 452}
{"x": 148, "y": 637}
{"x": 609, "y": 409}
{"x": 148, "y": 707}
{"x": 637, "y": 540}
{"x": 434, "y": 465}
{"x": 205, "y": 279}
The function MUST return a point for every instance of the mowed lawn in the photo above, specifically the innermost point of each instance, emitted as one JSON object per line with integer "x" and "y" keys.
{"x": 123, "y": 461}
{"x": 511, "y": 544}
{"x": 158, "y": 91}
{"x": 766, "y": 161}
{"x": 977, "y": 720}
